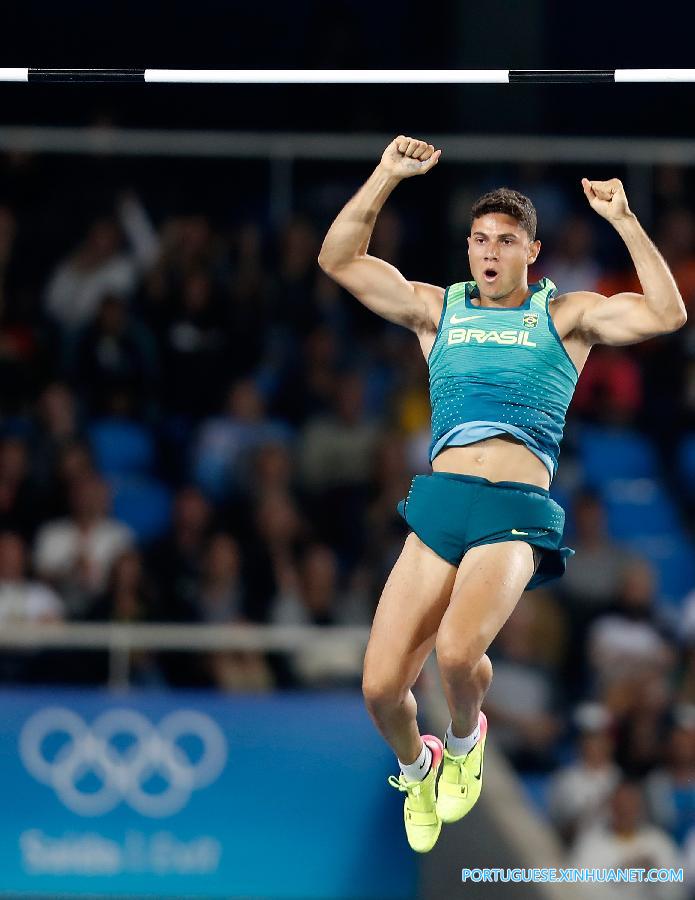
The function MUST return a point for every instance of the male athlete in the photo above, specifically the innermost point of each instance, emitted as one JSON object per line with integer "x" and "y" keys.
{"x": 504, "y": 358}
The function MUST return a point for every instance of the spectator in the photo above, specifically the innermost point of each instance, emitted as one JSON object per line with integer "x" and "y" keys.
{"x": 271, "y": 468}
{"x": 675, "y": 238}
{"x": 100, "y": 266}
{"x": 225, "y": 444}
{"x": 311, "y": 596}
{"x": 129, "y": 597}
{"x": 221, "y": 595}
{"x": 176, "y": 561}
{"x": 592, "y": 581}
{"x": 628, "y": 642}
{"x": 190, "y": 246}
{"x": 76, "y": 553}
{"x": 689, "y": 852}
{"x": 522, "y": 703}
{"x": 56, "y": 425}
{"x": 18, "y": 338}
{"x": 410, "y": 402}
{"x": 671, "y": 788}
{"x": 249, "y": 313}
{"x": 296, "y": 276}
{"x": 572, "y": 261}
{"x": 579, "y": 791}
{"x": 278, "y": 531}
{"x": 627, "y": 841}
{"x": 676, "y": 241}
{"x": 8, "y": 233}
{"x": 116, "y": 355}
{"x": 682, "y": 364}
{"x": 223, "y": 600}
{"x": 687, "y": 636}
{"x": 335, "y": 457}
{"x": 24, "y": 600}
{"x": 304, "y": 384}
{"x": 385, "y": 529}
{"x": 610, "y": 389}
{"x": 641, "y": 707}
{"x": 17, "y": 497}
{"x": 73, "y": 463}
{"x": 195, "y": 348}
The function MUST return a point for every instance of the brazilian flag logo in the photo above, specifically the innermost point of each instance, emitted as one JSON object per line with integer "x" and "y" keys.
{"x": 530, "y": 320}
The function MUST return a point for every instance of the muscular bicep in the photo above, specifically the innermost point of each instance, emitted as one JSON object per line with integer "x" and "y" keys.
{"x": 381, "y": 288}
{"x": 617, "y": 320}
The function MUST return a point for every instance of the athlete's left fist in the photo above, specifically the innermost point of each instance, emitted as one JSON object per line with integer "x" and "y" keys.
{"x": 607, "y": 198}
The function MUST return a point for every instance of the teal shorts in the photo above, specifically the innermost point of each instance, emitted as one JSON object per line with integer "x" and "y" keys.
{"x": 452, "y": 513}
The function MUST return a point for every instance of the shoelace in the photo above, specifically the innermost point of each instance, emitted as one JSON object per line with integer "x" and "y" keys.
{"x": 458, "y": 761}
{"x": 409, "y": 787}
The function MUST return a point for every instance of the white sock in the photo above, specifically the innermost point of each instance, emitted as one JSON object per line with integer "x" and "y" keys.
{"x": 459, "y": 746}
{"x": 419, "y": 769}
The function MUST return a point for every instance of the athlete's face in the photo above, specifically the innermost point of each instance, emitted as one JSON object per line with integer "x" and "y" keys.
{"x": 500, "y": 252}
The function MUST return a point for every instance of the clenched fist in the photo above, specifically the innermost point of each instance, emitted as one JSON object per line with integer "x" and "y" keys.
{"x": 607, "y": 198}
{"x": 406, "y": 156}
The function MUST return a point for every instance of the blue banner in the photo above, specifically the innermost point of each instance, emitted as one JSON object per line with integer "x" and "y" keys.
{"x": 195, "y": 794}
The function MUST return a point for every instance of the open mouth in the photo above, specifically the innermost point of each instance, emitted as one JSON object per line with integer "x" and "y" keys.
{"x": 490, "y": 274}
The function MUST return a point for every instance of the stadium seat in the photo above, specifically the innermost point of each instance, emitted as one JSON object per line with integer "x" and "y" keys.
{"x": 638, "y": 507}
{"x": 121, "y": 447}
{"x": 673, "y": 559}
{"x": 608, "y": 453}
{"x": 142, "y": 503}
{"x": 686, "y": 464}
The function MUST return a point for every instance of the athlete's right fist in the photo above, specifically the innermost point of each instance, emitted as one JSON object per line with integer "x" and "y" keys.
{"x": 406, "y": 156}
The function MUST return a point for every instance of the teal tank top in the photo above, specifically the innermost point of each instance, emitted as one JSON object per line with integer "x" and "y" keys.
{"x": 499, "y": 371}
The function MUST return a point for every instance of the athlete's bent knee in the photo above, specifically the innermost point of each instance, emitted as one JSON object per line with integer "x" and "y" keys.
{"x": 457, "y": 656}
{"x": 382, "y": 694}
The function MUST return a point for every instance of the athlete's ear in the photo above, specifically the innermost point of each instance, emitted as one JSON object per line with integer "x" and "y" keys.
{"x": 534, "y": 248}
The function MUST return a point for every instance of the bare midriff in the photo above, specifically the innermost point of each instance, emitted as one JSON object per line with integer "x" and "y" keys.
{"x": 500, "y": 458}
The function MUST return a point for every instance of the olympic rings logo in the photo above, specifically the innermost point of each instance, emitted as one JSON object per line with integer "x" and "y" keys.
{"x": 122, "y": 770}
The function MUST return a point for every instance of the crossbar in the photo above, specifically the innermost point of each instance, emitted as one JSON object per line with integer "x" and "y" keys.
{"x": 344, "y": 76}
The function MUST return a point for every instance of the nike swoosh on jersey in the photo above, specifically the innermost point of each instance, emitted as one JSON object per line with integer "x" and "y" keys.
{"x": 514, "y": 531}
{"x": 455, "y": 320}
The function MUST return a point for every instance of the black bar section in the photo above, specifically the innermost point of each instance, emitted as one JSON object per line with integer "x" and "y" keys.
{"x": 86, "y": 76}
{"x": 561, "y": 76}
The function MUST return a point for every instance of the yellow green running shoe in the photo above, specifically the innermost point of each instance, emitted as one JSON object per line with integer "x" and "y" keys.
{"x": 461, "y": 780}
{"x": 422, "y": 824}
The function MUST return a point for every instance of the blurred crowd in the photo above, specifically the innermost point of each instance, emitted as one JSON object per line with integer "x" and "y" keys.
{"x": 197, "y": 425}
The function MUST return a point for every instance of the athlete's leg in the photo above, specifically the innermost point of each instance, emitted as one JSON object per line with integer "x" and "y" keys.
{"x": 403, "y": 634}
{"x": 489, "y": 582}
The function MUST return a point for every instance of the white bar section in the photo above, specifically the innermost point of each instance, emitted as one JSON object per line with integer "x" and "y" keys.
{"x": 327, "y": 76}
{"x": 647, "y": 76}
{"x": 14, "y": 74}
{"x": 340, "y": 147}
{"x": 185, "y": 638}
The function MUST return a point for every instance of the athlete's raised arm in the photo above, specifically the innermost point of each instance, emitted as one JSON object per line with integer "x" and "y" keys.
{"x": 629, "y": 318}
{"x": 374, "y": 282}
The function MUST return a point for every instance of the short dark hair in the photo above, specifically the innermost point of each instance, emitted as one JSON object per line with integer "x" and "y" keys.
{"x": 511, "y": 203}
